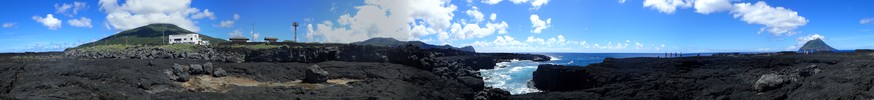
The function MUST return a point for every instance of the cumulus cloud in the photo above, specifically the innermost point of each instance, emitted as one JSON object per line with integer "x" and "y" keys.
{"x": 136, "y": 13}
{"x": 236, "y": 33}
{"x": 204, "y": 14}
{"x": 492, "y": 2}
{"x": 9, "y": 24}
{"x": 539, "y": 24}
{"x": 81, "y": 22}
{"x": 536, "y": 4}
{"x": 710, "y": 6}
{"x": 389, "y": 18}
{"x": 467, "y": 31}
{"x": 866, "y": 21}
{"x": 228, "y": 23}
{"x": 493, "y": 17}
{"x": 49, "y": 21}
{"x": 475, "y": 13}
{"x": 554, "y": 41}
{"x": 777, "y": 20}
{"x": 800, "y": 41}
{"x": 70, "y": 9}
{"x": 504, "y": 40}
{"x": 667, "y": 6}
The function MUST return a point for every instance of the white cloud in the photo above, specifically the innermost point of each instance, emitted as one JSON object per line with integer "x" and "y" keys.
{"x": 228, "y": 23}
{"x": 710, "y": 6}
{"x": 492, "y": 2}
{"x": 553, "y": 41}
{"x": 389, "y": 18}
{"x": 204, "y": 14}
{"x": 536, "y": 4}
{"x": 667, "y": 6}
{"x": 81, "y": 22}
{"x": 866, "y": 21}
{"x": 65, "y": 9}
{"x": 622, "y": 1}
{"x": 236, "y": 33}
{"x": 539, "y": 24}
{"x": 777, "y": 20}
{"x": 493, "y": 17}
{"x": 468, "y": 31}
{"x": 49, "y": 21}
{"x": 136, "y": 13}
{"x": 475, "y": 13}
{"x": 9, "y": 24}
{"x": 504, "y": 40}
{"x": 800, "y": 41}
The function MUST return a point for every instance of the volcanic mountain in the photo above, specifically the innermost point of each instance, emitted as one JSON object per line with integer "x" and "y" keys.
{"x": 147, "y": 35}
{"x": 391, "y": 42}
{"x": 816, "y": 45}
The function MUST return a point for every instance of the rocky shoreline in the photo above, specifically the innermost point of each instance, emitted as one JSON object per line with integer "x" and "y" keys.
{"x": 343, "y": 72}
{"x": 371, "y": 72}
{"x": 819, "y": 76}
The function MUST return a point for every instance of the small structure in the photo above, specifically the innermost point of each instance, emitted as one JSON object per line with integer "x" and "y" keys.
{"x": 270, "y": 39}
{"x": 186, "y": 39}
{"x": 239, "y": 39}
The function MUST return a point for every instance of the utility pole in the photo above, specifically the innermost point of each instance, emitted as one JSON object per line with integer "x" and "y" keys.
{"x": 295, "y": 30}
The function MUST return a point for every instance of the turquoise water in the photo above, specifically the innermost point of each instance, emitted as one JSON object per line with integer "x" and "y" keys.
{"x": 514, "y": 76}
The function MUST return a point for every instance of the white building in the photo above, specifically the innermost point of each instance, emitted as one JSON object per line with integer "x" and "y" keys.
{"x": 186, "y": 39}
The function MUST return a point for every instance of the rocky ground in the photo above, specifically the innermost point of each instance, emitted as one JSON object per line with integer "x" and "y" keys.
{"x": 816, "y": 76}
{"x": 57, "y": 77}
{"x": 349, "y": 72}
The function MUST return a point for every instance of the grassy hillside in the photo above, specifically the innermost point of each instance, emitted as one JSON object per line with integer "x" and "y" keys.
{"x": 146, "y": 35}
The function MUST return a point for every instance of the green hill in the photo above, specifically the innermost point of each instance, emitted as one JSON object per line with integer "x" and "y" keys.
{"x": 816, "y": 45}
{"x": 146, "y": 35}
{"x": 391, "y": 42}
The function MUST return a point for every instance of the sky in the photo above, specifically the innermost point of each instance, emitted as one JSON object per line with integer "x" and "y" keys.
{"x": 580, "y": 26}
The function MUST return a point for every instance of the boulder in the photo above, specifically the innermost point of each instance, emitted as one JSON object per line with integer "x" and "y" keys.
{"x": 178, "y": 68}
{"x": 183, "y": 77}
{"x": 219, "y": 72}
{"x": 208, "y": 67}
{"x": 315, "y": 74}
{"x": 550, "y": 77}
{"x": 771, "y": 81}
{"x": 171, "y": 75}
{"x": 197, "y": 69}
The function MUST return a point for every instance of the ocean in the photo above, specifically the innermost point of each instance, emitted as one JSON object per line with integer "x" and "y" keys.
{"x": 514, "y": 76}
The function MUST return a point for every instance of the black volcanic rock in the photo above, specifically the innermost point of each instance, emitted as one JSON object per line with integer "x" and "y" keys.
{"x": 550, "y": 77}
{"x": 816, "y": 45}
{"x": 315, "y": 74}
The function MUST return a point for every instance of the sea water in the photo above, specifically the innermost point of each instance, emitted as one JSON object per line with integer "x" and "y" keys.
{"x": 514, "y": 76}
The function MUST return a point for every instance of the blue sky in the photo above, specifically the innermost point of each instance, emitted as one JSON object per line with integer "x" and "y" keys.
{"x": 564, "y": 25}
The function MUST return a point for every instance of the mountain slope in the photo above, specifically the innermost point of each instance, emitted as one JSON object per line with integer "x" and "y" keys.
{"x": 147, "y": 35}
{"x": 391, "y": 42}
{"x": 816, "y": 45}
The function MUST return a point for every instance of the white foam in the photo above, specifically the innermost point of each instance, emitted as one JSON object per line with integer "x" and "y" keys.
{"x": 554, "y": 58}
